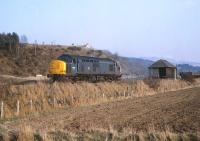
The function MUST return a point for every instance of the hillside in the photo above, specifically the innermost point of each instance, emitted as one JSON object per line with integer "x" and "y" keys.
{"x": 136, "y": 66}
{"x": 188, "y": 68}
{"x": 30, "y": 61}
{"x": 27, "y": 63}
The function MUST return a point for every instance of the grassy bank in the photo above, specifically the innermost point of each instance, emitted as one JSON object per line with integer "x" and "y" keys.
{"x": 39, "y": 97}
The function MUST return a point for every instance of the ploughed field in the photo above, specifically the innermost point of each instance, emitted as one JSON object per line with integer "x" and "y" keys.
{"x": 177, "y": 111}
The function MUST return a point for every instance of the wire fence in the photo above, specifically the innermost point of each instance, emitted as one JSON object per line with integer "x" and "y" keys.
{"x": 54, "y": 102}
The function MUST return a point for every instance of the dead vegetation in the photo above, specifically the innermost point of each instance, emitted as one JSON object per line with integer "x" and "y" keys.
{"x": 43, "y": 96}
{"x": 27, "y": 134}
{"x": 162, "y": 117}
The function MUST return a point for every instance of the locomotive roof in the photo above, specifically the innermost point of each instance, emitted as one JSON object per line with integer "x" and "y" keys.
{"x": 88, "y": 57}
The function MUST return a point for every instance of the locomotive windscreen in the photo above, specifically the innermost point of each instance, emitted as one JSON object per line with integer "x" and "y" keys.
{"x": 66, "y": 58}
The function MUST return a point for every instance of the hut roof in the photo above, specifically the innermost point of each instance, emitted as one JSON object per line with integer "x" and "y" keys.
{"x": 162, "y": 64}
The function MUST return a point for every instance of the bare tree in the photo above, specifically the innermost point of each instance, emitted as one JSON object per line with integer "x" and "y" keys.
{"x": 23, "y": 39}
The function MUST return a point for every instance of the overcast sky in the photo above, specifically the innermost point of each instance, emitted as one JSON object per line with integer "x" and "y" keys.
{"x": 134, "y": 28}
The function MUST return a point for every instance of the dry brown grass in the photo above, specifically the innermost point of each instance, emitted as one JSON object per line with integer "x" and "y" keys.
{"x": 150, "y": 135}
{"x": 25, "y": 133}
{"x": 46, "y": 96}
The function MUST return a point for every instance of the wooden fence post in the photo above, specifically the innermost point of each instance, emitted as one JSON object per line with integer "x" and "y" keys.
{"x": 54, "y": 101}
{"x": 17, "y": 107}
{"x": 31, "y": 103}
{"x": 2, "y": 114}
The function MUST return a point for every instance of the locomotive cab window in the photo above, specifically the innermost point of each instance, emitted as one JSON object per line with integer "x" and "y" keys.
{"x": 65, "y": 58}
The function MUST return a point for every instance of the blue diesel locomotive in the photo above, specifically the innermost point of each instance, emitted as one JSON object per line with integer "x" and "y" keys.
{"x": 74, "y": 67}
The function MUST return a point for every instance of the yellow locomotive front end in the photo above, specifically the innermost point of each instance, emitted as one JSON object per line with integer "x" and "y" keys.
{"x": 57, "y": 68}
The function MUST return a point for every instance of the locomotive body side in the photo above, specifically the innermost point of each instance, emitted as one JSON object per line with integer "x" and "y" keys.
{"x": 83, "y": 67}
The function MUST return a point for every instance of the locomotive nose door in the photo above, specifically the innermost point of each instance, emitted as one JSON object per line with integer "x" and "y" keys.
{"x": 72, "y": 67}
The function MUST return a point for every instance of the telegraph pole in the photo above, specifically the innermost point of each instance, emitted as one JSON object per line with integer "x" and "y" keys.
{"x": 35, "y": 47}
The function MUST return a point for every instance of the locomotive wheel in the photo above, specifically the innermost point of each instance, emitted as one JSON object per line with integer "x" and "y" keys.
{"x": 94, "y": 79}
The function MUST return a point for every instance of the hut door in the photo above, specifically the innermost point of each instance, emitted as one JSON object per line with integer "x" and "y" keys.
{"x": 162, "y": 72}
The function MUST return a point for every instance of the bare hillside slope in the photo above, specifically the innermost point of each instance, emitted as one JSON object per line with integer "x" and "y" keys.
{"x": 31, "y": 61}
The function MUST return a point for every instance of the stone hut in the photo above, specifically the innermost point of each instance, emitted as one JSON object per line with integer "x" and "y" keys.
{"x": 162, "y": 69}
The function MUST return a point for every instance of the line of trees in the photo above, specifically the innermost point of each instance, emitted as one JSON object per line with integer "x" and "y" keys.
{"x": 9, "y": 41}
